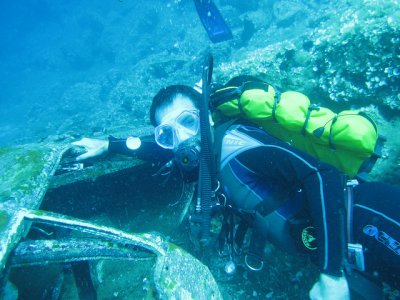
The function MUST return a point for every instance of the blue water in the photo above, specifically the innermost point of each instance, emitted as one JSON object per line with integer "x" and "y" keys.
{"x": 73, "y": 68}
{"x": 48, "y": 47}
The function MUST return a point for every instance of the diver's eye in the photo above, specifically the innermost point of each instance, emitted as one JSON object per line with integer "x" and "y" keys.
{"x": 189, "y": 121}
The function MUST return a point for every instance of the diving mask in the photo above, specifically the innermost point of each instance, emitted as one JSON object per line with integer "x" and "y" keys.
{"x": 169, "y": 134}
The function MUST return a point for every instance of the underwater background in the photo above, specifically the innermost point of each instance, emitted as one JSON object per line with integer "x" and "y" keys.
{"x": 81, "y": 67}
{"x": 72, "y": 69}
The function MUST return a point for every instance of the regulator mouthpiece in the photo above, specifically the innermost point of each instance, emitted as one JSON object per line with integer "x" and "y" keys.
{"x": 187, "y": 156}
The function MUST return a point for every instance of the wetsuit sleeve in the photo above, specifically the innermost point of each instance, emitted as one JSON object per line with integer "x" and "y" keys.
{"x": 148, "y": 150}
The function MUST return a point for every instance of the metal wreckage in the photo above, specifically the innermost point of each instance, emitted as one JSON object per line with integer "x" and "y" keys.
{"x": 39, "y": 233}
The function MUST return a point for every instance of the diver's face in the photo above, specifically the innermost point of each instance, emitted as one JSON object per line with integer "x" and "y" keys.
{"x": 178, "y": 123}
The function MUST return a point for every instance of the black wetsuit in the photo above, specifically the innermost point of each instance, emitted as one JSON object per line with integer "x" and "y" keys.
{"x": 261, "y": 173}
{"x": 283, "y": 184}
{"x": 376, "y": 226}
{"x": 148, "y": 151}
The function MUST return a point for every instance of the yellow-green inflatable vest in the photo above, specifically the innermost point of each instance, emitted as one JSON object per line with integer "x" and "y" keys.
{"x": 345, "y": 140}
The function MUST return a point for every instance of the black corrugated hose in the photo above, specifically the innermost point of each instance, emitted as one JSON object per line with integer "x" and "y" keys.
{"x": 207, "y": 181}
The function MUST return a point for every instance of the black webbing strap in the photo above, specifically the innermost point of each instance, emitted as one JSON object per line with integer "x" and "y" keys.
{"x": 331, "y": 143}
{"x": 277, "y": 98}
{"x": 229, "y": 93}
{"x": 310, "y": 109}
{"x": 222, "y": 96}
{"x": 369, "y": 163}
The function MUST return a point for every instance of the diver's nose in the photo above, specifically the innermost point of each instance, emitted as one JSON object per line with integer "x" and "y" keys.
{"x": 183, "y": 136}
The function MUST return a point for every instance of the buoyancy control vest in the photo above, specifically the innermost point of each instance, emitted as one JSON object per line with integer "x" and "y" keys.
{"x": 348, "y": 140}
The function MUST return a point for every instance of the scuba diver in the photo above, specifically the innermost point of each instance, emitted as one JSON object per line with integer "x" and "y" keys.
{"x": 285, "y": 195}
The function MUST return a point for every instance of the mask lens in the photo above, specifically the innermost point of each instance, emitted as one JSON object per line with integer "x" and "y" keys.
{"x": 164, "y": 136}
{"x": 175, "y": 131}
{"x": 189, "y": 121}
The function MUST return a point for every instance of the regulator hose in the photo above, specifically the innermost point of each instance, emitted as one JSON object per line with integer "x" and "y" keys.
{"x": 207, "y": 182}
